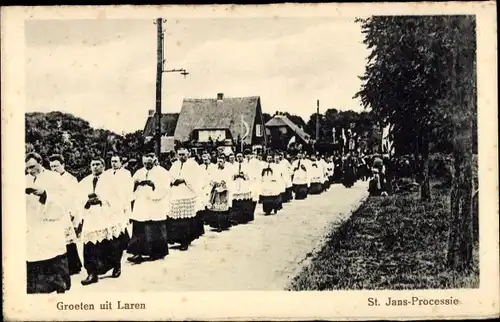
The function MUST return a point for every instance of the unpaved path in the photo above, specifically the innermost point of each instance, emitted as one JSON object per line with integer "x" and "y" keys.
{"x": 262, "y": 255}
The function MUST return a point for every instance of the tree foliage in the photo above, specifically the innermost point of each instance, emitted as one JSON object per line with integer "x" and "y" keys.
{"x": 73, "y": 137}
{"x": 420, "y": 77}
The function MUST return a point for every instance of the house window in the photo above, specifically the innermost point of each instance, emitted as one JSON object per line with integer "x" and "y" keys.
{"x": 258, "y": 130}
{"x": 206, "y": 135}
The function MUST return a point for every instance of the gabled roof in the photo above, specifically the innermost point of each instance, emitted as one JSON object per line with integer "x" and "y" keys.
{"x": 199, "y": 114}
{"x": 168, "y": 124}
{"x": 281, "y": 120}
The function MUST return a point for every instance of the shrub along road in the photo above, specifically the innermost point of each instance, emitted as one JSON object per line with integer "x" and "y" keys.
{"x": 262, "y": 255}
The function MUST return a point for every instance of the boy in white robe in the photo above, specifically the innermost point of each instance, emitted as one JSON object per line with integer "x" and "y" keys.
{"x": 149, "y": 215}
{"x": 69, "y": 185}
{"x": 183, "y": 224}
{"x": 104, "y": 235}
{"x": 300, "y": 178}
{"x": 270, "y": 195}
{"x": 46, "y": 222}
{"x": 242, "y": 204}
{"x": 316, "y": 172}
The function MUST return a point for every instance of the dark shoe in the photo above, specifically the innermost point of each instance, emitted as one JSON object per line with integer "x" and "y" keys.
{"x": 184, "y": 247}
{"x": 136, "y": 259}
{"x": 91, "y": 279}
{"x": 155, "y": 258}
{"x": 116, "y": 272}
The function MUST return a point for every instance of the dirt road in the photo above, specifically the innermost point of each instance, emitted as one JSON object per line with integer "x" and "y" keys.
{"x": 262, "y": 255}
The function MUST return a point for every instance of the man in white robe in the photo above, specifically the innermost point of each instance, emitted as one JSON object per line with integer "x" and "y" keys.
{"x": 220, "y": 199}
{"x": 206, "y": 169}
{"x": 254, "y": 169}
{"x": 74, "y": 218}
{"x": 183, "y": 224}
{"x": 125, "y": 186}
{"x": 149, "y": 216}
{"x": 300, "y": 178}
{"x": 46, "y": 222}
{"x": 282, "y": 173}
{"x": 287, "y": 176}
{"x": 104, "y": 235}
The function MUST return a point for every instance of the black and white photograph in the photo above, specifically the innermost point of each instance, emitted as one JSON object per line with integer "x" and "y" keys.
{"x": 288, "y": 153}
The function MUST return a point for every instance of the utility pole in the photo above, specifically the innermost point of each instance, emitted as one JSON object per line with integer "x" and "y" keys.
{"x": 317, "y": 120}
{"x": 159, "y": 74}
{"x": 160, "y": 61}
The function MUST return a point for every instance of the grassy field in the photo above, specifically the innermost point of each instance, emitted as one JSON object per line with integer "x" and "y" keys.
{"x": 389, "y": 243}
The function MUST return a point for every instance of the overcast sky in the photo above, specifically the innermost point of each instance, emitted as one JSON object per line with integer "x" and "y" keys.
{"x": 104, "y": 70}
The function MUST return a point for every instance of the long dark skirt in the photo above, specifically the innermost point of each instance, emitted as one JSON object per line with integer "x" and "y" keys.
{"x": 220, "y": 220}
{"x": 74, "y": 262}
{"x": 316, "y": 188}
{"x": 271, "y": 203}
{"x": 149, "y": 238}
{"x": 47, "y": 276}
{"x": 105, "y": 255}
{"x": 287, "y": 195}
{"x": 198, "y": 228}
{"x": 181, "y": 231}
{"x": 300, "y": 191}
{"x": 251, "y": 211}
{"x": 242, "y": 211}
{"x": 349, "y": 179}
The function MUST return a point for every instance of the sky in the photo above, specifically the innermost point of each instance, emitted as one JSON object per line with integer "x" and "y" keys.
{"x": 104, "y": 71}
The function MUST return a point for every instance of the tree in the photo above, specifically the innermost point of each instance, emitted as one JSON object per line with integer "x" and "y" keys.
{"x": 404, "y": 78}
{"x": 421, "y": 77}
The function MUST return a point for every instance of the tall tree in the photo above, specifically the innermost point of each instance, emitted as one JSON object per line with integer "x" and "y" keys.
{"x": 404, "y": 77}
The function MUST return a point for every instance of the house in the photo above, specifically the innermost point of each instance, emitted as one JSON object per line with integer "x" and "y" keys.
{"x": 282, "y": 132}
{"x": 226, "y": 120}
{"x": 168, "y": 123}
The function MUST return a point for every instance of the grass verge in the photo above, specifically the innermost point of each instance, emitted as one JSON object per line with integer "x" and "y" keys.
{"x": 389, "y": 243}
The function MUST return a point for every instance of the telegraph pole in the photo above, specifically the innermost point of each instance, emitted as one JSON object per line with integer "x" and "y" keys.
{"x": 159, "y": 74}
{"x": 160, "y": 60}
{"x": 317, "y": 120}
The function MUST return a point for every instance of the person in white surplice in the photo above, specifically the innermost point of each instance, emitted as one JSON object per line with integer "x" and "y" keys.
{"x": 149, "y": 215}
{"x": 242, "y": 204}
{"x": 125, "y": 186}
{"x": 300, "y": 177}
{"x": 183, "y": 224}
{"x": 105, "y": 235}
{"x": 74, "y": 214}
{"x": 46, "y": 222}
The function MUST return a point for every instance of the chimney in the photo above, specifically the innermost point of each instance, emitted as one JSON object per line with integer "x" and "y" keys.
{"x": 220, "y": 96}
{"x": 151, "y": 113}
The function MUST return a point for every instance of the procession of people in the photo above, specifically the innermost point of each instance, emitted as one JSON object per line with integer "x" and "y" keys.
{"x": 144, "y": 211}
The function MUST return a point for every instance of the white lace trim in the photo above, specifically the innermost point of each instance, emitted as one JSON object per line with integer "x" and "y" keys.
{"x": 242, "y": 196}
{"x": 103, "y": 234}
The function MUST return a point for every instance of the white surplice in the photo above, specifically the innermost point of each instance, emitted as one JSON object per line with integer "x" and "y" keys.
{"x": 70, "y": 187}
{"x": 300, "y": 172}
{"x": 255, "y": 168}
{"x": 288, "y": 172}
{"x": 46, "y": 223}
{"x": 151, "y": 204}
{"x": 101, "y": 221}
{"x": 316, "y": 172}
{"x": 184, "y": 197}
{"x": 123, "y": 183}
{"x": 205, "y": 178}
{"x": 271, "y": 185}
{"x": 240, "y": 187}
